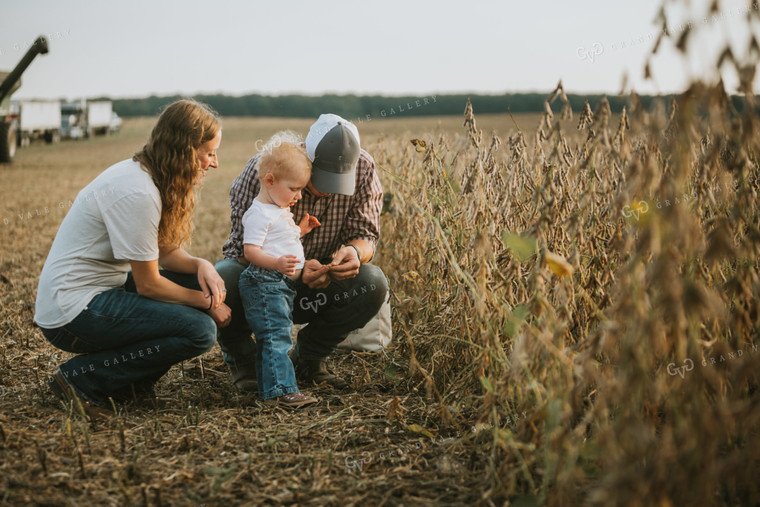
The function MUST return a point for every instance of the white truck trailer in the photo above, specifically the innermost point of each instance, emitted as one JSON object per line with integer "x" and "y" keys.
{"x": 39, "y": 119}
{"x": 87, "y": 118}
{"x": 98, "y": 117}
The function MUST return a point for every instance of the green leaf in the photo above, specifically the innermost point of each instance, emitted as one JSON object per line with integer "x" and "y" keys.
{"x": 487, "y": 385}
{"x": 419, "y": 429}
{"x": 522, "y": 247}
{"x": 393, "y": 373}
{"x": 515, "y": 320}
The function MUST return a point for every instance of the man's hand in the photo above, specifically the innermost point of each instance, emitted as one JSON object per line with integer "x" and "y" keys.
{"x": 315, "y": 275}
{"x": 345, "y": 264}
{"x": 287, "y": 264}
{"x": 308, "y": 223}
{"x": 221, "y": 314}
{"x": 211, "y": 283}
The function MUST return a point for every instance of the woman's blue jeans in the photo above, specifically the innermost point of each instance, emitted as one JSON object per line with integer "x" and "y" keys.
{"x": 126, "y": 342}
{"x": 267, "y": 297}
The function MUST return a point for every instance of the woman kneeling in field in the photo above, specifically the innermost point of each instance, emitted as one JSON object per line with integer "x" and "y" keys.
{"x": 101, "y": 294}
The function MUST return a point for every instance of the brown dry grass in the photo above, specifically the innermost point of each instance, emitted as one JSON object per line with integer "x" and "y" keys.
{"x": 592, "y": 298}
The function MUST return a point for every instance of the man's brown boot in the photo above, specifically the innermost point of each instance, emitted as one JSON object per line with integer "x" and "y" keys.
{"x": 66, "y": 393}
{"x": 315, "y": 371}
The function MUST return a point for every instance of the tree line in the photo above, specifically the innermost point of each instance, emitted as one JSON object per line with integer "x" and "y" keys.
{"x": 359, "y": 107}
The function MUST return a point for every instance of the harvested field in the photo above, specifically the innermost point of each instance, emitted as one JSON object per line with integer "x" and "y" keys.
{"x": 210, "y": 445}
{"x": 575, "y": 322}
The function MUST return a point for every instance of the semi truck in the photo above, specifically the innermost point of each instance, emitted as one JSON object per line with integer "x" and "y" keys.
{"x": 9, "y": 83}
{"x": 85, "y": 118}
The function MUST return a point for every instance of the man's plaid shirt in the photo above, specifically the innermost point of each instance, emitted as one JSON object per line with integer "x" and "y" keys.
{"x": 343, "y": 217}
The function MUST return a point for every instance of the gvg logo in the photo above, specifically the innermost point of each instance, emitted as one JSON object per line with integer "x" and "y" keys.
{"x": 674, "y": 370}
{"x": 638, "y": 209}
{"x": 358, "y": 464}
{"x": 305, "y": 304}
{"x": 321, "y": 298}
{"x": 712, "y": 361}
{"x": 590, "y": 54}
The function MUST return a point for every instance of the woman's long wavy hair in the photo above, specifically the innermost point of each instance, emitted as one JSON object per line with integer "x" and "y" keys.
{"x": 171, "y": 158}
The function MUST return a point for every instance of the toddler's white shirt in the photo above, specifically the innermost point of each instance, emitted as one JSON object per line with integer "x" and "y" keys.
{"x": 273, "y": 229}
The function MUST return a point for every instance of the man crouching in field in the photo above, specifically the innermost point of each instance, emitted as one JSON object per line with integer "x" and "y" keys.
{"x": 333, "y": 295}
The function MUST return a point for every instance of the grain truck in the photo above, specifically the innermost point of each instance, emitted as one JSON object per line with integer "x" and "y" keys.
{"x": 38, "y": 119}
{"x": 87, "y": 118}
{"x": 98, "y": 117}
{"x": 9, "y": 83}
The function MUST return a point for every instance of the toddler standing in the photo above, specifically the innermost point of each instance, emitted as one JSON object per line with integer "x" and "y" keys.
{"x": 273, "y": 247}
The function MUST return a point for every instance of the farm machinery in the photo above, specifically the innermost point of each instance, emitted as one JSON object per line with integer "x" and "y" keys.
{"x": 9, "y": 119}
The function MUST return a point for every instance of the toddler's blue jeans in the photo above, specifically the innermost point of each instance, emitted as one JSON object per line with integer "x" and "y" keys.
{"x": 267, "y": 298}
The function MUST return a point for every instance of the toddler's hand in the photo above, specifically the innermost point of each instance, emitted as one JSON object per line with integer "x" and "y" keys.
{"x": 287, "y": 264}
{"x": 308, "y": 223}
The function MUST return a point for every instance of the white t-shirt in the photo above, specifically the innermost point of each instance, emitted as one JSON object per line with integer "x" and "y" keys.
{"x": 273, "y": 229}
{"x": 113, "y": 220}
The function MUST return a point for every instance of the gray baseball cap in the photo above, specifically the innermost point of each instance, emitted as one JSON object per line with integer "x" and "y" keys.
{"x": 333, "y": 147}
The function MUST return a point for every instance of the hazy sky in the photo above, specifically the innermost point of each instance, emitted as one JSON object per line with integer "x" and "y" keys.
{"x": 136, "y": 48}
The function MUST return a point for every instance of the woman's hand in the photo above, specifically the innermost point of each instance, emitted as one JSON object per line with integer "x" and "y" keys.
{"x": 221, "y": 314}
{"x": 211, "y": 283}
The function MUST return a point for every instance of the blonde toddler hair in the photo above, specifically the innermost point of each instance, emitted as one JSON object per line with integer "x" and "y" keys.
{"x": 283, "y": 156}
